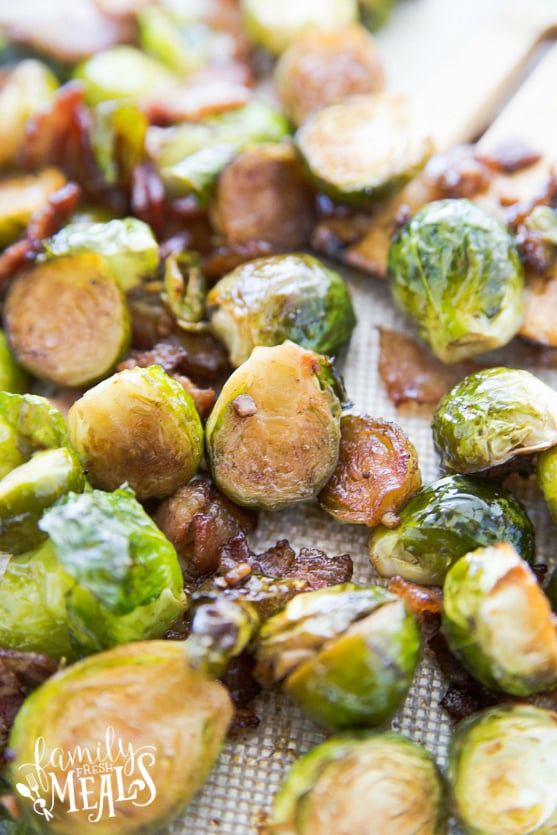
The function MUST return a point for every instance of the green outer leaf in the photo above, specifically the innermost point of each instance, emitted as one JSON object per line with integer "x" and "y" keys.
{"x": 493, "y": 415}
{"x": 444, "y": 521}
{"x": 291, "y": 296}
{"x": 28, "y": 423}
{"x": 111, "y": 547}
{"x": 456, "y": 271}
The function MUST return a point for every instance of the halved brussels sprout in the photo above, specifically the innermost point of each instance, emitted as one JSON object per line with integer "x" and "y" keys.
{"x": 27, "y": 87}
{"x": 346, "y": 654}
{"x": 28, "y": 424}
{"x": 401, "y": 784}
{"x": 273, "y": 435}
{"x": 324, "y": 67}
{"x": 12, "y": 376}
{"x": 498, "y": 621}
{"x": 455, "y": 270}
{"x": 275, "y": 26}
{"x": 492, "y": 416}
{"x": 122, "y": 72}
{"x": 27, "y": 490}
{"x": 127, "y": 737}
{"x": 107, "y": 575}
{"x": 197, "y": 173}
{"x": 443, "y": 522}
{"x": 67, "y": 319}
{"x": 502, "y": 765}
{"x": 128, "y": 582}
{"x": 138, "y": 426}
{"x": 128, "y": 247}
{"x": 266, "y": 301}
{"x": 376, "y": 474}
{"x": 23, "y": 195}
{"x": 363, "y": 149}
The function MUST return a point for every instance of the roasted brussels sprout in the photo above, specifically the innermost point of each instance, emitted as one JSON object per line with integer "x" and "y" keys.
{"x": 126, "y": 738}
{"x": 138, "y": 426}
{"x": 324, "y": 67}
{"x": 262, "y": 195}
{"x": 266, "y": 301}
{"x": 122, "y": 73}
{"x": 377, "y": 472}
{"x": 401, "y": 784}
{"x": 66, "y": 319}
{"x": 502, "y": 765}
{"x": 273, "y": 435}
{"x": 498, "y": 621}
{"x": 443, "y": 522}
{"x": 275, "y": 27}
{"x": 118, "y": 130}
{"x": 28, "y": 424}
{"x": 492, "y": 416}
{"x": 27, "y": 490}
{"x": 12, "y": 376}
{"x": 346, "y": 654}
{"x": 128, "y": 247}
{"x": 364, "y": 148}
{"x": 129, "y": 585}
{"x": 105, "y": 576}
{"x": 455, "y": 270}
{"x": 21, "y": 196}
{"x": 27, "y": 87}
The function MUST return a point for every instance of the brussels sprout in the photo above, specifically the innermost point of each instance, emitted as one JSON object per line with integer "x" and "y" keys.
{"x": 273, "y": 435}
{"x": 189, "y": 157}
{"x": 456, "y": 271}
{"x": 275, "y": 26}
{"x": 67, "y": 319}
{"x": 33, "y": 589}
{"x": 118, "y": 132}
{"x": 444, "y": 521}
{"x": 220, "y": 631}
{"x": 324, "y": 67}
{"x": 185, "y": 289}
{"x": 266, "y": 301}
{"x": 502, "y": 765}
{"x": 364, "y": 148}
{"x": 28, "y": 423}
{"x": 121, "y": 73}
{"x": 128, "y": 247}
{"x": 21, "y": 197}
{"x": 138, "y": 426}
{"x": 346, "y": 654}
{"x": 323, "y": 792}
{"x": 12, "y": 376}
{"x": 27, "y": 87}
{"x": 498, "y": 621}
{"x": 125, "y": 740}
{"x": 492, "y": 416}
{"x": 106, "y": 576}
{"x": 27, "y": 490}
{"x": 377, "y": 472}
{"x": 129, "y": 585}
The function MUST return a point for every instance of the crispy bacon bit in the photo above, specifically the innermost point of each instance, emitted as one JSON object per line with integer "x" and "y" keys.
{"x": 319, "y": 570}
{"x": 335, "y": 232}
{"x": 244, "y": 405}
{"x": 457, "y": 173}
{"x": 226, "y": 257}
{"x": 510, "y": 155}
{"x": 410, "y": 373}
{"x": 43, "y": 224}
{"x": 20, "y": 673}
{"x": 425, "y": 602}
{"x": 204, "y": 399}
{"x": 205, "y": 94}
{"x": 200, "y": 521}
{"x": 147, "y": 197}
{"x": 243, "y": 688}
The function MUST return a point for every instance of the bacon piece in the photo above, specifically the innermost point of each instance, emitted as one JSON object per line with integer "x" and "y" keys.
{"x": 510, "y": 155}
{"x": 457, "y": 173}
{"x": 426, "y": 602}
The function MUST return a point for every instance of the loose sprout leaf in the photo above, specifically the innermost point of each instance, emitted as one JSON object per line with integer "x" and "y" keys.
{"x": 111, "y": 547}
{"x": 28, "y": 423}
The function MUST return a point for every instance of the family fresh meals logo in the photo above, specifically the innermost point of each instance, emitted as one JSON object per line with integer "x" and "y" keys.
{"x": 97, "y": 781}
